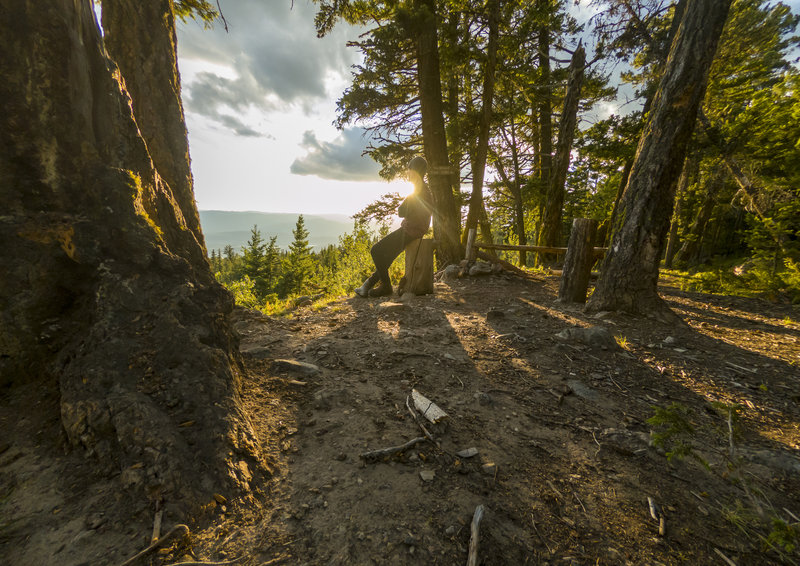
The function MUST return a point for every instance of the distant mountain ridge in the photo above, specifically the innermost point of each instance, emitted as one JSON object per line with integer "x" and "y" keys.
{"x": 222, "y": 228}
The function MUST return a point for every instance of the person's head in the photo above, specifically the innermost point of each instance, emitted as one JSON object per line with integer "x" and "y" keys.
{"x": 417, "y": 168}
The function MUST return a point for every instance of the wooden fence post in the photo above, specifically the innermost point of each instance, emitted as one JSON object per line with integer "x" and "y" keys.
{"x": 470, "y": 257}
{"x": 578, "y": 261}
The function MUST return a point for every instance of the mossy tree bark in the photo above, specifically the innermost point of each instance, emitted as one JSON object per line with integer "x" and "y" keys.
{"x": 106, "y": 289}
{"x": 141, "y": 39}
{"x": 629, "y": 275}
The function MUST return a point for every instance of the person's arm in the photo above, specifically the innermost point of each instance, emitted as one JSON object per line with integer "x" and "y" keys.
{"x": 403, "y": 208}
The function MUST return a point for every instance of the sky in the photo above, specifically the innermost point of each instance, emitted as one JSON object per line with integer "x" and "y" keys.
{"x": 260, "y": 101}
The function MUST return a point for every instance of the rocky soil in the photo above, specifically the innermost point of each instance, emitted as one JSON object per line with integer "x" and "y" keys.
{"x": 547, "y": 428}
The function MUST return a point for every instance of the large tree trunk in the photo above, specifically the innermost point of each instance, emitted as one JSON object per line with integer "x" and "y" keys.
{"x": 550, "y": 235}
{"x": 660, "y": 54}
{"x": 105, "y": 289}
{"x": 446, "y": 218}
{"x": 140, "y": 37}
{"x": 629, "y": 278}
{"x": 482, "y": 149}
{"x": 545, "y": 110}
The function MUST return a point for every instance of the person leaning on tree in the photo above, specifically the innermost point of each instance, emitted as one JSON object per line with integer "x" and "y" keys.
{"x": 416, "y": 212}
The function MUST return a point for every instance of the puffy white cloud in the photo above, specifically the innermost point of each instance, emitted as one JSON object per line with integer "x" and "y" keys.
{"x": 337, "y": 160}
{"x": 269, "y": 59}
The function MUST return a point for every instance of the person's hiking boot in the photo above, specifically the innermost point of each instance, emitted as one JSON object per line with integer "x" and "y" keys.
{"x": 381, "y": 291}
{"x": 364, "y": 290}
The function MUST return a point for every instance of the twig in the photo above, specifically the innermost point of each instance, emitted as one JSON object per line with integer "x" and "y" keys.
{"x": 156, "y": 526}
{"x": 792, "y": 515}
{"x": 222, "y": 17}
{"x": 176, "y": 532}
{"x": 472, "y": 559}
{"x": 742, "y": 368}
{"x": 579, "y": 501}
{"x": 554, "y": 489}
{"x": 541, "y": 538}
{"x": 658, "y": 515}
{"x": 727, "y": 560}
{"x": 374, "y": 455}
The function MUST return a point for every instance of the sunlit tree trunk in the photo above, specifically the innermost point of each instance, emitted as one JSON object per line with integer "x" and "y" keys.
{"x": 447, "y": 220}
{"x": 629, "y": 275}
{"x": 141, "y": 38}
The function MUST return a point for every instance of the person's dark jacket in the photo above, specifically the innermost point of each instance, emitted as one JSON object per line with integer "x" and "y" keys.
{"x": 416, "y": 212}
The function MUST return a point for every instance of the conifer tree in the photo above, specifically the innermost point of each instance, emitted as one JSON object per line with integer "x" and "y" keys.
{"x": 299, "y": 263}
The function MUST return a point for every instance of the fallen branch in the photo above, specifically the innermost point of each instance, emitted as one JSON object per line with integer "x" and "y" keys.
{"x": 472, "y": 559}
{"x": 428, "y": 408}
{"x": 374, "y": 455}
{"x": 428, "y": 435}
{"x": 175, "y": 533}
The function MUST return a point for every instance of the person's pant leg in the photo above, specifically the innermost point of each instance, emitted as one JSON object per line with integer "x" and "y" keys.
{"x": 385, "y": 252}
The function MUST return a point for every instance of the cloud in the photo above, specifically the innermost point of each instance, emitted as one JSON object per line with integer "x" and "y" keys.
{"x": 271, "y": 59}
{"x": 337, "y": 160}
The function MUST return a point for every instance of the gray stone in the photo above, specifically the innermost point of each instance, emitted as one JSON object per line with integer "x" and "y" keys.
{"x": 407, "y": 297}
{"x": 583, "y": 391}
{"x": 669, "y": 340}
{"x": 391, "y": 307}
{"x": 484, "y": 398}
{"x": 467, "y": 453}
{"x": 480, "y": 268}
{"x": 295, "y": 366}
{"x": 450, "y": 273}
{"x": 489, "y": 468}
{"x": 451, "y": 530}
{"x": 625, "y": 441}
{"x": 427, "y": 475}
{"x": 594, "y": 337}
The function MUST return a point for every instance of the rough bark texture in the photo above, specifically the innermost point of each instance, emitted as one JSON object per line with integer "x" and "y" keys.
{"x": 446, "y": 219}
{"x": 578, "y": 261}
{"x": 629, "y": 276}
{"x": 105, "y": 288}
{"x": 551, "y": 218}
{"x": 545, "y": 104}
{"x": 482, "y": 149}
{"x": 140, "y": 38}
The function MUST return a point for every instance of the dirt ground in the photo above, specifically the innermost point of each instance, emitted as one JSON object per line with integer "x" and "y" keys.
{"x": 564, "y": 461}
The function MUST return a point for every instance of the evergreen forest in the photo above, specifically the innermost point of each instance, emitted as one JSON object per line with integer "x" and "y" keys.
{"x": 541, "y": 119}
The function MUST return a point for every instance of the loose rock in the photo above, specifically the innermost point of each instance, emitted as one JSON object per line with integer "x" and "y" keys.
{"x": 467, "y": 453}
